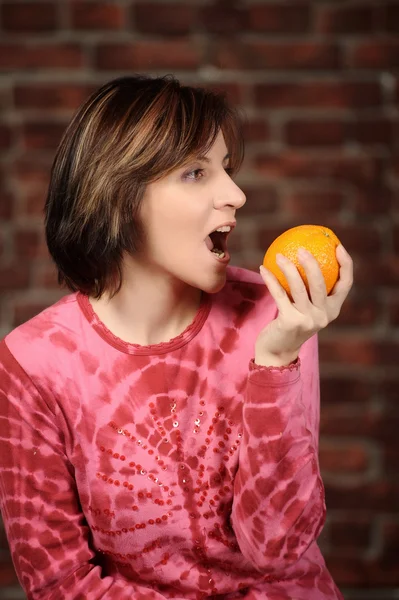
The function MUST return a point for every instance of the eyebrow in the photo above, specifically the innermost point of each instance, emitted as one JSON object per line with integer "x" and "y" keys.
{"x": 206, "y": 159}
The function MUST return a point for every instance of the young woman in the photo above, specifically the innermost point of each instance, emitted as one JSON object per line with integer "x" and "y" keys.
{"x": 159, "y": 424}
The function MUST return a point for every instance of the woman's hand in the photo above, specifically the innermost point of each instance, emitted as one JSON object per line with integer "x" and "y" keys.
{"x": 279, "y": 342}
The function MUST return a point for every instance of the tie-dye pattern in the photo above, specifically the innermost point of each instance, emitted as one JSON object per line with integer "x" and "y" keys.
{"x": 180, "y": 470}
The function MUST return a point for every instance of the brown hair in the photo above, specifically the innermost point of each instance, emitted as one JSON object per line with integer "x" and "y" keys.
{"x": 131, "y": 132}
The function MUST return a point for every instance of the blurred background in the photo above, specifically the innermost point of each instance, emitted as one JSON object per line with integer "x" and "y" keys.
{"x": 319, "y": 84}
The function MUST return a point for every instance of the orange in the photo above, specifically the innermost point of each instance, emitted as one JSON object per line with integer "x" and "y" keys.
{"x": 318, "y": 240}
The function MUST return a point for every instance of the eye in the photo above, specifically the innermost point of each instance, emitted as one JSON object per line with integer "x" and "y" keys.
{"x": 195, "y": 175}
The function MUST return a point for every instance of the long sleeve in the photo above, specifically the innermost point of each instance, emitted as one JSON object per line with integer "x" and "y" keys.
{"x": 46, "y": 529}
{"x": 278, "y": 506}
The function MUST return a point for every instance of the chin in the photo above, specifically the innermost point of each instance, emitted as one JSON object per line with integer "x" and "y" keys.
{"x": 214, "y": 284}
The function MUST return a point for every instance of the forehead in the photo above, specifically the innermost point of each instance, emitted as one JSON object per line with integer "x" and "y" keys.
{"x": 217, "y": 152}
{"x": 219, "y": 147}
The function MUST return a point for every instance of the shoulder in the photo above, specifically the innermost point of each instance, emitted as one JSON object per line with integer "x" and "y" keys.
{"x": 35, "y": 342}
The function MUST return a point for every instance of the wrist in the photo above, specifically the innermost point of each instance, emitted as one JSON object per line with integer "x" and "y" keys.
{"x": 268, "y": 359}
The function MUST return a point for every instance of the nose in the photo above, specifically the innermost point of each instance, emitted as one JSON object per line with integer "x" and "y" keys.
{"x": 229, "y": 195}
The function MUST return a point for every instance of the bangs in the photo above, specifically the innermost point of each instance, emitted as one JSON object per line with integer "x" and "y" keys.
{"x": 195, "y": 117}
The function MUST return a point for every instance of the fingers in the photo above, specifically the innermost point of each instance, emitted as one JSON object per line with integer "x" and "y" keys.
{"x": 345, "y": 281}
{"x": 317, "y": 288}
{"x": 277, "y": 291}
{"x": 316, "y": 283}
{"x": 298, "y": 289}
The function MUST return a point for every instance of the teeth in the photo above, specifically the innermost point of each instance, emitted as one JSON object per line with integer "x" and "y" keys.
{"x": 224, "y": 229}
{"x": 219, "y": 253}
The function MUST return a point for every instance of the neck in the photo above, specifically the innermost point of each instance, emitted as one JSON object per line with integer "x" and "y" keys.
{"x": 150, "y": 308}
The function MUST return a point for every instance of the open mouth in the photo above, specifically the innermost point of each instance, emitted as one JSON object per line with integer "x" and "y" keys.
{"x": 217, "y": 241}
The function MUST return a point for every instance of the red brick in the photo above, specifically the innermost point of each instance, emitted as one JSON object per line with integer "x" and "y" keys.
{"x": 395, "y": 233}
{"x": 166, "y": 19}
{"x": 41, "y": 56}
{"x": 385, "y": 429}
{"x": 276, "y": 55}
{"x": 384, "y": 571}
{"x": 29, "y": 16}
{"x": 339, "y": 391}
{"x": 394, "y": 311}
{"x": 390, "y": 459}
{"x": 348, "y": 572}
{"x": 334, "y": 421}
{"x": 389, "y": 389}
{"x": 14, "y": 276}
{"x": 315, "y": 133}
{"x": 51, "y": 95}
{"x": 25, "y": 311}
{"x": 351, "y": 533}
{"x": 308, "y": 203}
{"x": 375, "y": 199}
{"x": 318, "y": 94}
{"x": 8, "y": 576}
{"x": 5, "y": 137}
{"x": 260, "y": 200}
{"x": 176, "y": 54}
{"x": 358, "y": 170}
{"x": 97, "y": 15}
{"x": 373, "y": 272}
{"x": 278, "y": 17}
{"x": 6, "y": 205}
{"x": 27, "y": 243}
{"x": 375, "y": 55}
{"x": 359, "y": 311}
{"x": 379, "y": 496}
{"x": 223, "y": 18}
{"x": 360, "y": 573}
{"x": 34, "y": 200}
{"x": 376, "y": 426}
{"x": 42, "y": 135}
{"x": 392, "y": 17}
{"x": 359, "y": 351}
{"x": 343, "y": 457}
{"x": 27, "y": 171}
{"x": 345, "y": 19}
{"x": 374, "y": 131}
{"x": 45, "y": 276}
{"x": 359, "y": 239}
{"x": 390, "y": 531}
{"x": 234, "y": 92}
{"x": 256, "y": 130}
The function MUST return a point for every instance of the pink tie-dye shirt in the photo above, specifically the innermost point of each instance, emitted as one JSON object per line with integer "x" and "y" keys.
{"x": 178, "y": 470}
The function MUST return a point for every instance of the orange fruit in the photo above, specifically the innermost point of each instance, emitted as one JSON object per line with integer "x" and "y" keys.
{"x": 316, "y": 239}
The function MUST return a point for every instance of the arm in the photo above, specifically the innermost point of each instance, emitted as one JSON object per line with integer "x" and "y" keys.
{"x": 278, "y": 507}
{"x": 46, "y": 529}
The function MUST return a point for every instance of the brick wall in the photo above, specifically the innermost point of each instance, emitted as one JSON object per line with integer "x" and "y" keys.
{"x": 319, "y": 83}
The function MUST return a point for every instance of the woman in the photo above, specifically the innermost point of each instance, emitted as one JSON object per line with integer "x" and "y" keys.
{"x": 159, "y": 424}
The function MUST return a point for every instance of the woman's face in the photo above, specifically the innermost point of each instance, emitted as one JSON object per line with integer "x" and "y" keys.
{"x": 181, "y": 210}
